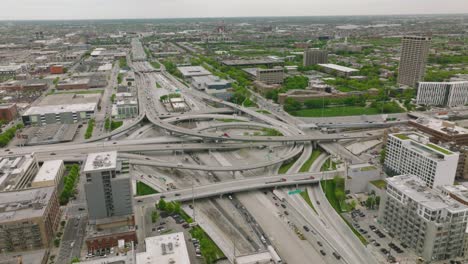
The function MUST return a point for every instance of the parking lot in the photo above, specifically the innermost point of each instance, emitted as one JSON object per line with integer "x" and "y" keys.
{"x": 365, "y": 222}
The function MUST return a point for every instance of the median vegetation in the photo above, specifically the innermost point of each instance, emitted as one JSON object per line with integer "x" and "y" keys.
{"x": 69, "y": 184}
{"x": 286, "y": 166}
{"x": 9, "y": 134}
{"x": 144, "y": 189}
{"x": 313, "y": 156}
{"x": 89, "y": 130}
{"x": 111, "y": 124}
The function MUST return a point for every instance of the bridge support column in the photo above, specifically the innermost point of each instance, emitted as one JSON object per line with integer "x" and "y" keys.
{"x": 314, "y": 144}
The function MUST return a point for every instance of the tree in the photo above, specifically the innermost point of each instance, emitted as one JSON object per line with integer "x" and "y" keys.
{"x": 340, "y": 196}
{"x": 291, "y": 105}
{"x": 162, "y": 205}
{"x": 352, "y": 204}
{"x": 383, "y": 153}
{"x": 377, "y": 201}
{"x": 170, "y": 207}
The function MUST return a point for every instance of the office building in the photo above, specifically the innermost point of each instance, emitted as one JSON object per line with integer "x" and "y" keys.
{"x": 191, "y": 71}
{"x": 108, "y": 187}
{"x": 62, "y": 109}
{"x": 338, "y": 70}
{"x": 315, "y": 56}
{"x": 171, "y": 248}
{"x": 412, "y": 153}
{"x": 50, "y": 174}
{"x": 441, "y": 130}
{"x": 414, "y": 53}
{"x": 28, "y": 219}
{"x": 8, "y": 112}
{"x": 266, "y": 76}
{"x": 427, "y": 221}
{"x": 17, "y": 172}
{"x": 447, "y": 94}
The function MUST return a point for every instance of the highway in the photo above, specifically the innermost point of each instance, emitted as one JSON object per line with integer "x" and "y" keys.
{"x": 247, "y": 184}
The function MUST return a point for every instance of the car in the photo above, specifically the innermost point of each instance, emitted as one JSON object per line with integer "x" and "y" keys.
{"x": 323, "y": 252}
{"x": 337, "y": 256}
{"x": 319, "y": 243}
{"x": 286, "y": 213}
{"x": 186, "y": 225}
{"x": 283, "y": 179}
{"x": 377, "y": 244}
{"x": 53, "y": 154}
{"x": 162, "y": 196}
{"x": 283, "y": 205}
{"x": 306, "y": 228}
{"x": 177, "y": 194}
{"x": 276, "y": 204}
{"x": 140, "y": 201}
{"x": 81, "y": 209}
{"x": 274, "y": 198}
{"x": 384, "y": 250}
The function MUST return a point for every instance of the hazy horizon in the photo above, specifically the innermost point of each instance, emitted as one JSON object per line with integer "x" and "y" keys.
{"x": 179, "y": 9}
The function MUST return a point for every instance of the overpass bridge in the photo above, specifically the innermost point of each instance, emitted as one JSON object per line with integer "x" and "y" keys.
{"x": 248, "y": 184}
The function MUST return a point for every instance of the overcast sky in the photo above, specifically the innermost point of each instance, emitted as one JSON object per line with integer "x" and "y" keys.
{"x": 106, "y": 9}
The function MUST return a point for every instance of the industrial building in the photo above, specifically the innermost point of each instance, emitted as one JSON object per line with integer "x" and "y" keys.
{"x": 17, "y": 172}
{"x": 108, "y": 187}
{"x": 414, "y": 53}
{"x": 63, "y": 109}
{"x": 50, "y": 174}
{"x": 338, "y": 69}
{"x": 191, "y": 71}
{"x": 267, "y": 76}
{"x": 8, "y": 112}
{"x": 315, "y": 56}
{"x": 427, "y": 221}
{"x": 171, "y": 248}
{"x": 447, "y": 94}
{"x": 28, "y": 219}
{"x": 412, "y": 153}
{"x": 213, "y": 85}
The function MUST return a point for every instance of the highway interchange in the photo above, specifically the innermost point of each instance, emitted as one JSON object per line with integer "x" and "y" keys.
{"x": 192, "y": 152}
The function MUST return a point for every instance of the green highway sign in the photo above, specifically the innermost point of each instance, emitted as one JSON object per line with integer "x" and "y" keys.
{"x": 294, "y": 192}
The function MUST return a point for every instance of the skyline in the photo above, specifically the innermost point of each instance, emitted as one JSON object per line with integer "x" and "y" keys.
{"x": 164, "y": 9}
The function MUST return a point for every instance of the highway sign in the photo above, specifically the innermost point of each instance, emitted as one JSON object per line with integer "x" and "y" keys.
{"x": 294, "y": 192}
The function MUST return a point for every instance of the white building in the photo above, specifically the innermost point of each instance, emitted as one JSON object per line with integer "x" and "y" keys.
{"x": 424, "y": 219}
{"x": 50, "y": 174}
{"x": 412, "y": 153}
{"x": 164, "y": 249}
{"x": 448, "y": 94}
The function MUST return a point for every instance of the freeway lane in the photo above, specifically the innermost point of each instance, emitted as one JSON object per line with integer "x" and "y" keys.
{"x": 247, "y": 184}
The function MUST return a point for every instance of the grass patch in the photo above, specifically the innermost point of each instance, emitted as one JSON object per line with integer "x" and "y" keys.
{"x": 155, "y": 65}
{"x": 305, "y": 196}
{"x": 144, "y": 189}
{"x": 368, "y": 168}
{"x": 119, "y": 78}
{"x": 210, "y": 251}
{"x": 286, "y": 166}
{"x": 271, "y": 132}
{"x": 327, "y": 166}
{"x": 402, "y": 136}
{"x": 337, "y": 111}
{"x": 440, "y": 149}
{"x": 263, "y": 111}
{"x": 158, "y": 85}
{"x": 332, "y": 189}
{"x": 381, "y": 184}
{"x": 310, "y": 161}
{"x": 112, "y": 125}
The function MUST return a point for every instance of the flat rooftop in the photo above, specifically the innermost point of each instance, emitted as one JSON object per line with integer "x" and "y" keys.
{"x": 57, "y": 109}
{"x": 251, "y": 62}
{"x": 48, "y": 171}
{"x": 101, "y": 161}
{"x": 12, "y": 168}
{"x": 24, "y": 204}
{"x": 338, "y": 67}
{"x": 421, "y": 144}
{"x": 165, "y": 249}
{"x": 209, "y": 79}
{"x": 415, "y": 188}
{"x": 189, "y": 71}
{"x": 442, "y": 126}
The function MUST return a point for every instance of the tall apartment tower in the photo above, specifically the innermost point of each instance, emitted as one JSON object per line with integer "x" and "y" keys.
{"x": 414, "y": 53}
{"x": 431, "y": 223}
{"x": 108, "y": 186}
{"x": 412, "y": 153}
{"x": 315, "y": 56}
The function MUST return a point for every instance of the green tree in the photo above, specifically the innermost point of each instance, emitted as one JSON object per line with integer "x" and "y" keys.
{"x": 291, "y": 105}
{"x": 162, "y": 205}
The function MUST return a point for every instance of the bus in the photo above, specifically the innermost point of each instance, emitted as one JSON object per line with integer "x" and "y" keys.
{"x": 274, "y": 256}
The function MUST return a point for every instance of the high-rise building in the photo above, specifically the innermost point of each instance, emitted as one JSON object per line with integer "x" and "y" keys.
{"x": 412, "y": 153}
{"x": 431, "y": 223}
{"x": 108, "y": 187}
{"x": 315, "y": 56}
{"x": 270, "y": 76}
{"x": 449, "y": 94}
{"x": 414, "y": 53}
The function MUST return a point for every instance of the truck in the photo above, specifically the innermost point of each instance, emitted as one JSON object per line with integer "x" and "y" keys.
{"x": 274, "y": 255}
